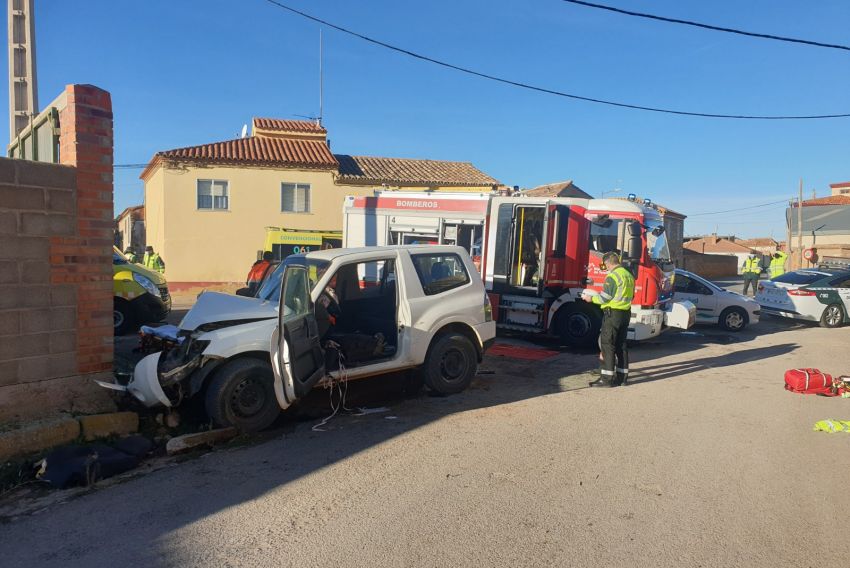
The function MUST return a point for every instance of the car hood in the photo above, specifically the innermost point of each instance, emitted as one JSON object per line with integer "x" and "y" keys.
{"x": 214, "y": 307}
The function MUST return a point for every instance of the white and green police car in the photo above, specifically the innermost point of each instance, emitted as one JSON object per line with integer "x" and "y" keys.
{"x": 821, "y": 295}
{"x": 715, "y": 305}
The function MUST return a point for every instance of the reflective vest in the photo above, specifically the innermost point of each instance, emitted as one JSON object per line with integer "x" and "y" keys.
{"x": 257, "y": 272}
{"x": 154, "y": 262}
{"x": 832, "y": 426}
{"x": 618, "y": 291}
{"x": 752, "y": 265}
{"x": 777, "y": 265}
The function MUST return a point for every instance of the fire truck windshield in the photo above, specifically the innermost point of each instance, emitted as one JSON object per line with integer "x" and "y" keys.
{"x": 656, "y": 244}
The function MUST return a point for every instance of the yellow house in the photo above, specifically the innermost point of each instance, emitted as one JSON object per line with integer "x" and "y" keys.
{"x": 207, "y": 206}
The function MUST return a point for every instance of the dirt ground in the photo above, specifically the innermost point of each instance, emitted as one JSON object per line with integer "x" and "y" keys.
{"x": 704, "y": 460}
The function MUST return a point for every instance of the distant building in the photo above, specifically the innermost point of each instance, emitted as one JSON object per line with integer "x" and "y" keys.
{"x": 720, "y": 246}
{"x": 207, "y": 206}
{"x": 765, "y": 245}
{"x": 826, "y": 224}
{"x": 130, "y": 229}
{"x": 842, "y": 188}
{"x": 557, "y": 189}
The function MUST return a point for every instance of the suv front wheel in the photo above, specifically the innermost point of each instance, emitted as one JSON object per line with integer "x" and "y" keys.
{"x": 451, "y": 363}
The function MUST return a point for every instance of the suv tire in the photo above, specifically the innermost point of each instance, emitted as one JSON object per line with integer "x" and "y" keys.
{"x": 450, "y": 365}
{"x": 241, "y": 394}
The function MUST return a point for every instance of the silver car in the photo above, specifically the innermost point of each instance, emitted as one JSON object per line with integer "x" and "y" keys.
{"x": 715, "y": 305}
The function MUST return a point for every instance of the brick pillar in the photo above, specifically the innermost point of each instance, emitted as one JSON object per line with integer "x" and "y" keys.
{"x": 85, "y": 260}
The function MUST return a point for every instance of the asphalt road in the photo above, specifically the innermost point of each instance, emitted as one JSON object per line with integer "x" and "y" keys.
{"x": 703, "y": 461}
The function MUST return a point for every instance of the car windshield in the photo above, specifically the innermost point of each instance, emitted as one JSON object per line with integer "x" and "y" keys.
{"x": 656, "y": 244}
{"x": 800, "y": 277}
{"x": 270, "y": 290}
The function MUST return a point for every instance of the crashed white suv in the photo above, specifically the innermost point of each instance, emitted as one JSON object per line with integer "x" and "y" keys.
{"x": 339, "y": 313}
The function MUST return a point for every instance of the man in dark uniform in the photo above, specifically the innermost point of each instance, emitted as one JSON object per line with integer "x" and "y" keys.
{"x": 616, "y": 303}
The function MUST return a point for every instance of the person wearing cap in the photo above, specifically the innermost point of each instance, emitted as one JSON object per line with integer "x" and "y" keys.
{"x": 751, "y": 272}
{"x": 616, "y": 303}
{"x": 152, "y": 260}
{"x": 131, "y": 255}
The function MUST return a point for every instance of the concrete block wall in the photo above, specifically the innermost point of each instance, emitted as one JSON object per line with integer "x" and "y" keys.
{"x": 56, "y": 268}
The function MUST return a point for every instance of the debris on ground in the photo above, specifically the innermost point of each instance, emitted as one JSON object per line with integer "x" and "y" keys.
{"x": 832, "y": 426}
{"x": 75, "y": 465}
{"x": 188, "y": 441}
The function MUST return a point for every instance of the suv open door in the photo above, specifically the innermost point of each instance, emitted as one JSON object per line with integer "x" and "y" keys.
{"x": 298, "y": 358}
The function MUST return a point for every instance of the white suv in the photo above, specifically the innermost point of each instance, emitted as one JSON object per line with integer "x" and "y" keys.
{"x": 339, "y": 313}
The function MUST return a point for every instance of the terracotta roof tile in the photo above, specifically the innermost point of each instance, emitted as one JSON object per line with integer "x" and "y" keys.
{"x": 403, "y": 171}
{"x": 759, "y": 242}
{"x": 257, "y": 151}
{"x": 558, "y": 189}
{"x": 710, "y": 244}
{"x": 281, "y": 125}
{"x": 828, "y": 200}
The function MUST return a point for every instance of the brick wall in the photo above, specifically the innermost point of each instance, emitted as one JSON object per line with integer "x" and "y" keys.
{"x": 56, "y": 268}
{"x": 710, "y": 265}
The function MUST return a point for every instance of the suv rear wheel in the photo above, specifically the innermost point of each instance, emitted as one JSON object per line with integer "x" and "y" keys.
{"x": 241, "y": 394}
{"x": 450, "y": 364}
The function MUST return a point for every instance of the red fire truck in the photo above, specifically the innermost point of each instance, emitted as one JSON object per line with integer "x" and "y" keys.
{"x": 536, "y": 255}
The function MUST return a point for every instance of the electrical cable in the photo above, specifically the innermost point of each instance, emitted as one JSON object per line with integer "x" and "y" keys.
{"x": 129, "y": 166}
{"x": 544, "y": 89}
{"x": 708, "y": 26}
{"x": 738, "y": 209}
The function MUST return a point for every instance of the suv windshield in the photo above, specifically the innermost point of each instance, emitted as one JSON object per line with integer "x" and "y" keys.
{"x": 270, "y": 290}
{"x": 656, "y": 244}
{"x": 800, "y": 277}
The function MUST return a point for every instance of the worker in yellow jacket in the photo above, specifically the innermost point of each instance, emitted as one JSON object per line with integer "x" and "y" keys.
{"x": 751, "y": 271}
{"x": 777, "y": 264}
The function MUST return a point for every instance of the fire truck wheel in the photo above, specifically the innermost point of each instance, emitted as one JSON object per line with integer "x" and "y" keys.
{"x": 578, "y": 324}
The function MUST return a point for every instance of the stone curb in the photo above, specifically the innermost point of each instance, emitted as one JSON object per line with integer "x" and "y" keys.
{"x": 188, "y": 441}
{"x": 38, "y": 436}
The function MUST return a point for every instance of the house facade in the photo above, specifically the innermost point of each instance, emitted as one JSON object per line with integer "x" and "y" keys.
{"x": 130, "y": 229}
{"x": 826, "y": 224}
{"x": 713, "y": 244}
{"x": 207, "y": 206}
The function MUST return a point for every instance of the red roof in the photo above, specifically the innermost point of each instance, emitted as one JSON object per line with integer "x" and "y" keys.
{"x": 828, "y": 200}
{"x": 840, "y": 184}
{"x": 715, "y": 245}
{"x": 402, "y": 171}
{"x": 255, "y": 151}
{"x": 281, "y": 125}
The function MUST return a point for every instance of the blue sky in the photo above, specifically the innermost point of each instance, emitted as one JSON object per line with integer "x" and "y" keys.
{"x": 185, "y": 72}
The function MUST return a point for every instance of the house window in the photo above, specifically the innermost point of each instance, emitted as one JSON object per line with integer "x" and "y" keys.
{"x": 295, "y": 197}
{"x": 212, "y": 195}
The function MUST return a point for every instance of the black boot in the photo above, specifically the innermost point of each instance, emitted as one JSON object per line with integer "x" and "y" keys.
{"x": 603, "y": 382}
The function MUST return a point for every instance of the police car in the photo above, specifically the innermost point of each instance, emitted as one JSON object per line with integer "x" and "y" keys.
{"x": 817, "y": 294}
{"x": 715, "y": 305}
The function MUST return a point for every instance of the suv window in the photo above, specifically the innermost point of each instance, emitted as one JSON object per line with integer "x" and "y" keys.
{"x": 440, "y": 272}
{"x": 841, "y": 282}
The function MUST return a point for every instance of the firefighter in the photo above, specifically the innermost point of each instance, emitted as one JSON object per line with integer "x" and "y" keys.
{"x": 258, "y": 272}
{"x": 777, "y": 264}
{"x": 152, "y": 260}
{"x": 131, "y": 255}
{"x": 752, "y": 270}
{"x": 616, "y": 303}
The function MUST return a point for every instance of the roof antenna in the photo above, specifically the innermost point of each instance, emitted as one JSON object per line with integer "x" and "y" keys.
{"x": 321, "y": 82}
{"x": 244, "y": 133}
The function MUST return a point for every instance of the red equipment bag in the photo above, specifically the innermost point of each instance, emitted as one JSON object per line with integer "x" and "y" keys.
{"x": 808, "y": 381}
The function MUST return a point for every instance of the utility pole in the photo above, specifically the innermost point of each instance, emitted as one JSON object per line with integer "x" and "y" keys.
{"x": 788, "y": 247}
{"x": 23, "y": 89}
{"x": 800, "y": 224}
{"x": 321, "y": 81}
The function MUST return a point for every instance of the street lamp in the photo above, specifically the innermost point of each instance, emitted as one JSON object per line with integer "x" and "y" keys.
{"x": 615, "y": 190}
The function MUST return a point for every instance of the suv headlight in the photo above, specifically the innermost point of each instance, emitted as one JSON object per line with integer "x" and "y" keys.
{"x": 147, "y": 284}
{"x": 179, "y": 363}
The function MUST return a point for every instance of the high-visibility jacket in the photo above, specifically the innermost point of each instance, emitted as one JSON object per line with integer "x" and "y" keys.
{"x": 132, "y": 257}
{"x": 257, "y": 272}
{"x": 618, "y": 290}
{"x": 777, "y": 265}
{"x": 752, "y": 265}
{"x": 153, "y": 261}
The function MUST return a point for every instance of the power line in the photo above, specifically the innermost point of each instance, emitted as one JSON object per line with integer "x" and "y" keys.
{"x": 129, "y": 166}
{"x": 739, "y": 209}
{"x": 708, "y": 26}
{"x": 543, "y": 89}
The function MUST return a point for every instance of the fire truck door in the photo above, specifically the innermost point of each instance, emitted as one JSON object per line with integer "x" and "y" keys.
{"x": 553, "y": 263}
